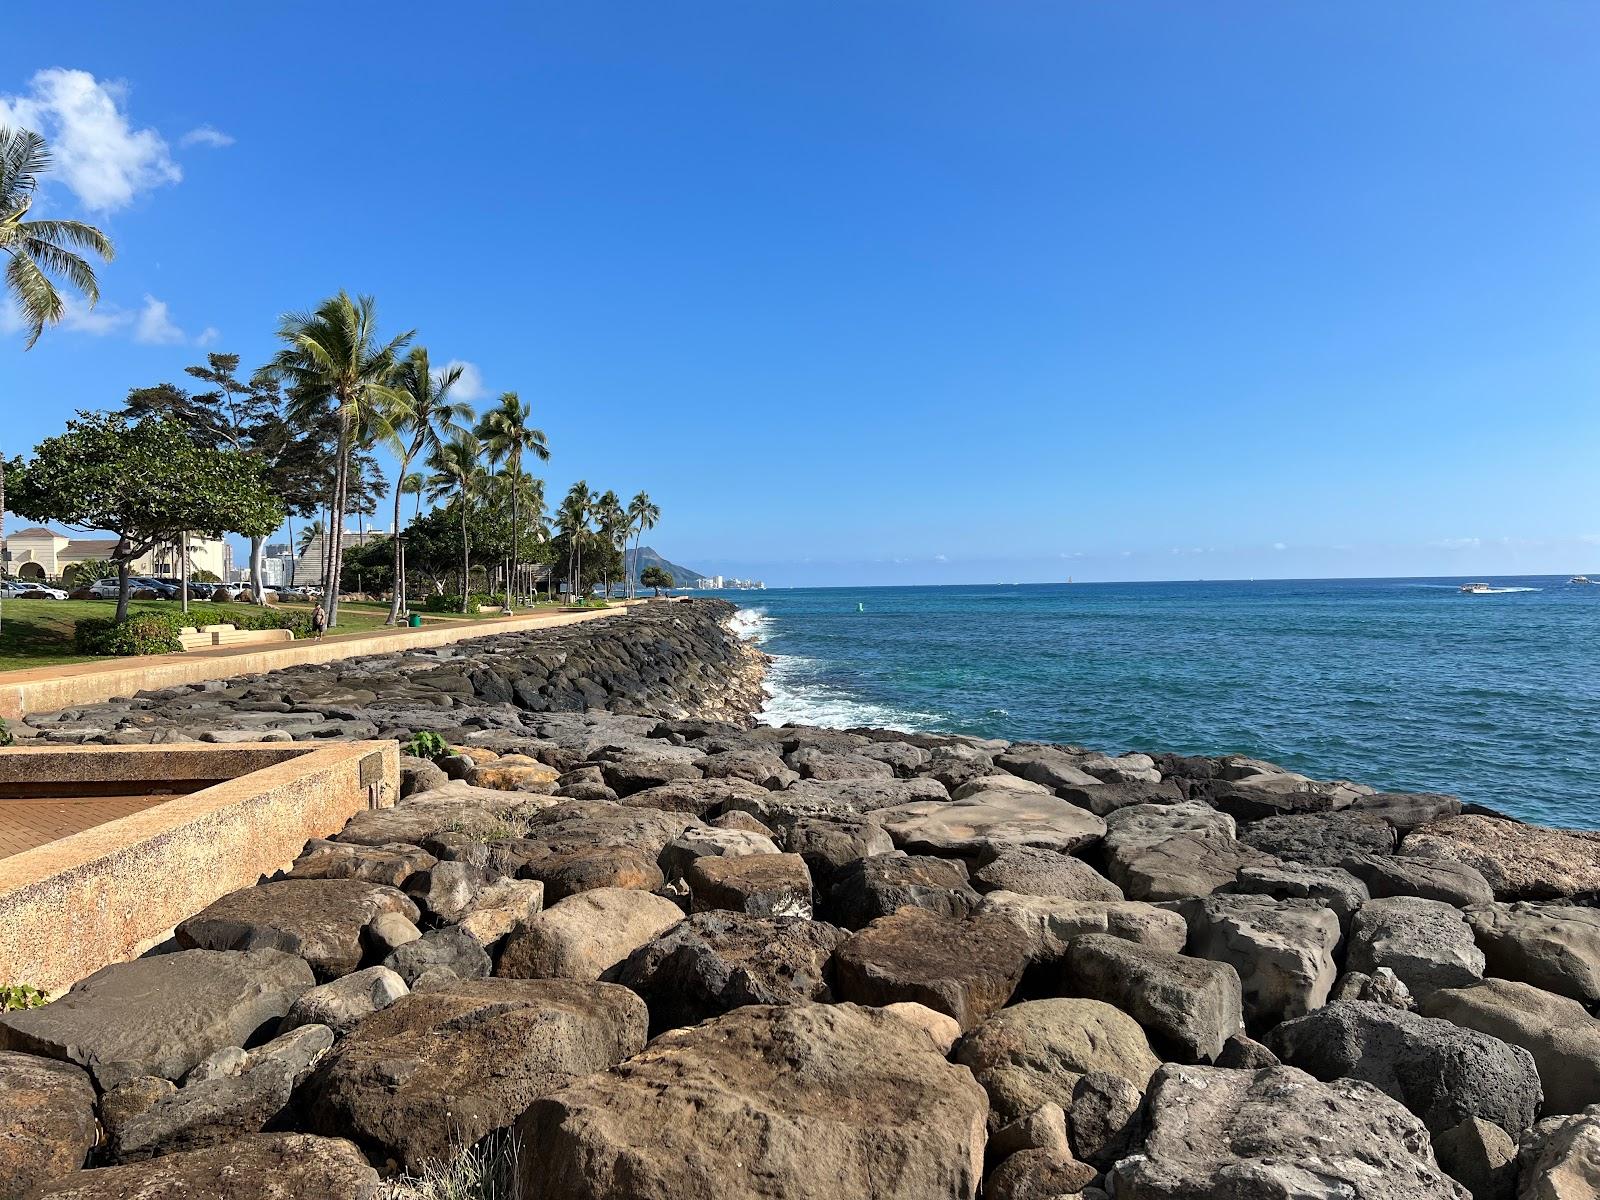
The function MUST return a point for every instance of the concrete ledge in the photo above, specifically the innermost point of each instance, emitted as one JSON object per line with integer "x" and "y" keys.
{"x": 104, "y": 895}
{"x": 46, "y": 689}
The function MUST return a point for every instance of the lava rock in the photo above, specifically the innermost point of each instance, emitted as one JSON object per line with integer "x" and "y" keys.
{"x": 1425, "y": 942}
{"x": 881, "y": 884}
{"x": 761, "y": 885}
{"x": 1191, "y": 1005}
{"x": 586, "y": 935}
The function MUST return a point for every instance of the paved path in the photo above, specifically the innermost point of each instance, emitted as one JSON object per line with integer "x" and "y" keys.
{"x": 26, "y": 824}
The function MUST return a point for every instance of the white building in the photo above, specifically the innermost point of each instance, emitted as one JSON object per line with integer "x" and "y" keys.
{"x": 44, "y": 554}
{"x": 307, "y": 569}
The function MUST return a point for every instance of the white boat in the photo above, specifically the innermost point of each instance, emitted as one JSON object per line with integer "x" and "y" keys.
{"x": 1580, "y": 579}
{"x": 1475, "y": 588}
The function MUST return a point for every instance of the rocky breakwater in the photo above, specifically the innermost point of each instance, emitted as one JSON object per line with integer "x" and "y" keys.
{"x": 680, "y": 958}
{"x": 668, "y": 660}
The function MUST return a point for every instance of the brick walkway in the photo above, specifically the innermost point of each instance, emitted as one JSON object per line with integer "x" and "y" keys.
{"x": 25, "y": 824}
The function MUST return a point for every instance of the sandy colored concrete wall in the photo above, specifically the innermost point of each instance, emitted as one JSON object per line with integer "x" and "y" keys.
{"x": 46, "y": 689}
{"x": 101, "y": 896}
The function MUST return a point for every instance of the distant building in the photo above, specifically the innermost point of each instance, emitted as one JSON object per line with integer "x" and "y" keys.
{"x": 307, "y": 569}
{"x": 41, "y": 553}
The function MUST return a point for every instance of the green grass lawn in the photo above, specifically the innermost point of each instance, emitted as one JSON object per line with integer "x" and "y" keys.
{"x": 38, "y": 633}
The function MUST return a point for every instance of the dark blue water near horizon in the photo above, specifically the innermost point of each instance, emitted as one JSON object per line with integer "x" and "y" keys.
{"x": 1405, "y": 684}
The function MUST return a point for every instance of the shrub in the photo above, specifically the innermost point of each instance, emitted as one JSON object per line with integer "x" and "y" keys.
{"x": 452, "y": 603}
{"x": 17, "y": 996}
{"x": 157, "y": 632}
{"x": 425, "y": 744}
{"x": 486, "y": 1171}
{"x": 5, "y": 733}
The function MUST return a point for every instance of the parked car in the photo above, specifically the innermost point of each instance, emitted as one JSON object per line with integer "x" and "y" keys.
{"x": 26, "y": 589}
{"x": 106, "y": 589}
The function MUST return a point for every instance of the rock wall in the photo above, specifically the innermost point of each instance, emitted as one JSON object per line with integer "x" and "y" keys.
{"x": 666, "y": 660}
{"x": 680, "y": 956}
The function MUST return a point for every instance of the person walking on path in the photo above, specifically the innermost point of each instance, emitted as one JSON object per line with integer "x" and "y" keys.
{"x": 319, "y": 622}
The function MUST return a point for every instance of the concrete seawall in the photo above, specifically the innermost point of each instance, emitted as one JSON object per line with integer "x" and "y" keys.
{"x": 47, "y": 689}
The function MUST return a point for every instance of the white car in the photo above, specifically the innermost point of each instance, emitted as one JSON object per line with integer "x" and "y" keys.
{"x": 14, "y": 589}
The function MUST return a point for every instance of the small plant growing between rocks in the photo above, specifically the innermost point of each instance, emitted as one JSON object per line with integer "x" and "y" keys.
{"x": 487, "y": 1171}
{"x": 5, "y": 733}
{"x": 17, "y": 996}
{"x": 426, "y": 744}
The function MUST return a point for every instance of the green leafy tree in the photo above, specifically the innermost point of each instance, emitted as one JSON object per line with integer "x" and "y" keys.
{"x": 658, "y": 578}
{"x": 430, "y": 417}
{"x": 333, "y": 359}
{"x": 507, "y": 437}
{"x": 37, "y": 250}
{"x": 643, "y": 514}
{"x": 140, "y": 480}
{"x": 459, "y": 478}
{"x": 90, "y": 570}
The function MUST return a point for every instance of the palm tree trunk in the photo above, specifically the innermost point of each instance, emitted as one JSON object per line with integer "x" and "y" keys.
{"x": 511, "y": 575}
{"x": 183, "y": 568}
{"x": 466, "y": 559}
{"x": 399, "y": 573}
{"x": 336, "y": 529}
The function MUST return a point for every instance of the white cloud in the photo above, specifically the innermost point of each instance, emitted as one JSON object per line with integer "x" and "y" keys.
{"x": 209, "y": 336}
{"x": 1468, "y": 543}
{"x": 154, "y": 325}
{"x": 205, "y": 135}
{"x": 97, "y": 322}
{"x": 1279, "y": 546}
{"x": 98, "y": 155}
{"x": 470, "y": 386}
{"x": 940, "y": 558}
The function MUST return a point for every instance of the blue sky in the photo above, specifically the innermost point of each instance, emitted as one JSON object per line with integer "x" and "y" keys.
{"x": 896, "y": 292}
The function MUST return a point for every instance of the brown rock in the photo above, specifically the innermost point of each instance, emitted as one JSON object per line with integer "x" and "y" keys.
{"x": 586, "y": 935}
{"x": 47, "y": 1126}
{"x": 966, "y": 968}
{"x": 762, "y": 885}
{"x": 1037, "y": 1175}
{"x": 265, "y": 1166}
{"x": 1521, "y": 862}
{"x": 318, "y": 919}
{"x": 439, "y": 1070}
{"x": 765, "y": 1102}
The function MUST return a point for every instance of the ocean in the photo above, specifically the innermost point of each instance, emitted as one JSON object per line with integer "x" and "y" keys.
{"x": 1405, "y": 684}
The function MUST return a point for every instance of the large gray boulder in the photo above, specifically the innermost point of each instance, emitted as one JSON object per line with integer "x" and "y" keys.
{"x": 441, "y": 1069}
{"x": 1278, "y": 1134}
{"x": 1173, "y": 851}
{"x": 1033, "y": 871}
{"x": 1050, "y": 923}
{"x": 1049, "y": 766}
{"x": 160, "y": 1015}
{"x": 1189, "y": 1005}
{"x": 47, "y": 1127}
{"x": 263, "y": 1166}
{"x": 1558, "y": 1031}
{"x": 1552, "y": 946}
{"x": 990, "y": 821}
{"x": 1337, "y": 888}
{"x": 1282, "y": 950}
{"x": 803, "y": 1101}
{"x": 1411, "y": 875}
{"x": 1427, "y": 943}
{"x": 1437, "y": 1069}
{"x": 1321, "y": 839}
{"x": 717, "y": 961}
{"x": 319, "y": 919}
{"x": 965, "y": 969}
{"x": 1560, "y": 1158}
{"x": 879, "y": 885}
{"x": 1480, "y": 1155}
{"x": 340, "y": 1005}
{"x": 830, "y": 845}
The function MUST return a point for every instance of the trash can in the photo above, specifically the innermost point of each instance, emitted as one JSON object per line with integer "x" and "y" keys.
{"x": 416, "y": 621}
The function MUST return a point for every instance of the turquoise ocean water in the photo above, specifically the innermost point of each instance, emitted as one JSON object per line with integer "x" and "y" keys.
{"x": 1400, "y": 683}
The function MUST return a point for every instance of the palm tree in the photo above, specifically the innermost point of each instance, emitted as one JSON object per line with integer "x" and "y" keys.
{"x": 643, "y": 514}
{"x": 459, "y": 478}
{"x": 613, "y": 523}
{"x": 35, "y": 250}
{"x": 430, "y": 416}
{"x": 573, "y": 517}
{"x": 414, "y": 484}
{"x": 333, "y": 356}
{"x": 308, "y": 535}
{"x": 507, "y": 436}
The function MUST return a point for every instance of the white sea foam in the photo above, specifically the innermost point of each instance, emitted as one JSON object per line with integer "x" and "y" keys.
{"x": 794, "y": 694}
{"x": 752, "y": 624}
